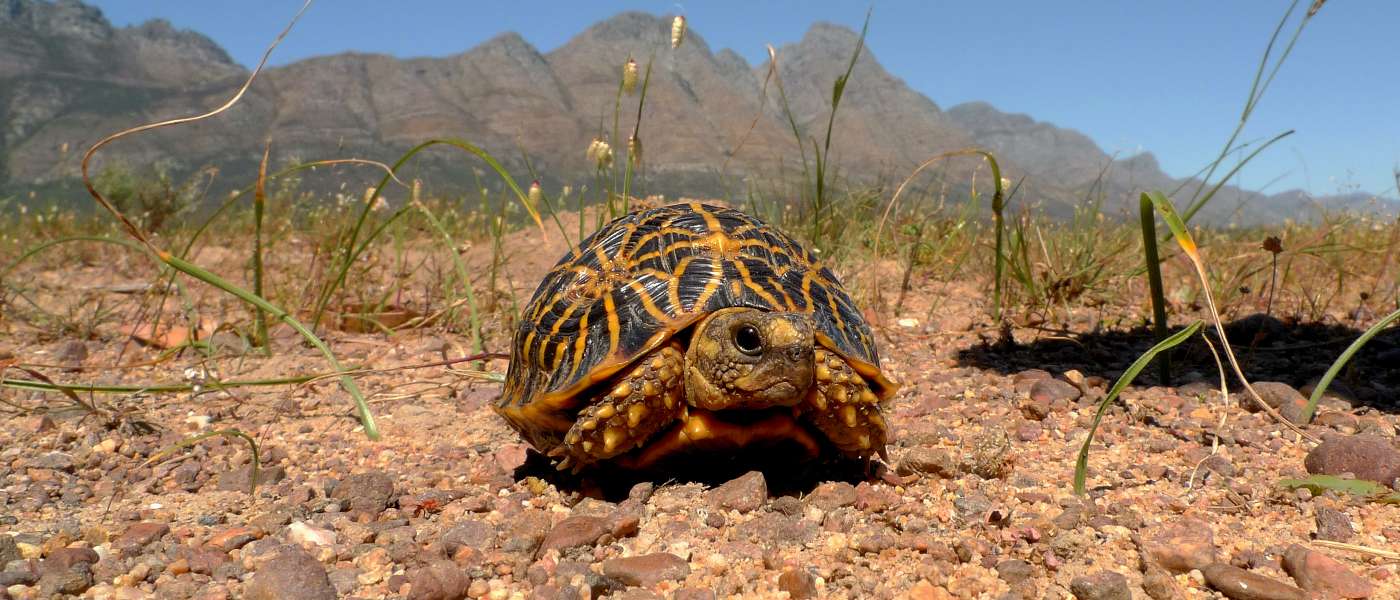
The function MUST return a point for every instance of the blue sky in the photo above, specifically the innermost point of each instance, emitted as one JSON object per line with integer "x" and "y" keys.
{"x": 1169, "y": 77}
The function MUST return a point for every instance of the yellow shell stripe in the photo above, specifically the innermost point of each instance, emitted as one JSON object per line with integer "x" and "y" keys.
{"x": 711, "y": 221}
{"x": 787, "y": 299}
{"x": 525, "y": 348}
{"x": 648, "y": 302}
{"x": 749, "y": 283}
{"x": 807, "y": 290}
{"x": 716, "y": 275}
{"x": 580, "y": 343}
{"x": 568, "y": 310}
{"x": 835, "y": 309}
{"x": 673, "y": 287}
{"x": 614, "y": 327}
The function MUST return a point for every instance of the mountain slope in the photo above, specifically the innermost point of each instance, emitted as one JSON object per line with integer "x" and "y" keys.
{"x": 67, "y": 77}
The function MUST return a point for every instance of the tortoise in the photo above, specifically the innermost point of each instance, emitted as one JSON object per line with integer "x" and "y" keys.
{"x": 693, "y": 327}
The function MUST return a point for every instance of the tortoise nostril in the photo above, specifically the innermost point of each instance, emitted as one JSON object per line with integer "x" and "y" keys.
{"x": 797, "y": 354}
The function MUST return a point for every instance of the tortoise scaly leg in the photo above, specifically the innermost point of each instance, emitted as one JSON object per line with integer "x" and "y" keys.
{"x": 844, "y": 408}
{"x": 643, "y": 400}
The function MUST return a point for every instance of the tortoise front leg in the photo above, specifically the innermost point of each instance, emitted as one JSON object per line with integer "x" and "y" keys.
{"x": 844, "y": 408}
{"x": 643, "y": 400}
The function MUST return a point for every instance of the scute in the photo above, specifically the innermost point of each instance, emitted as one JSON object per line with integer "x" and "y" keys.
{"x": 645, "y": 276}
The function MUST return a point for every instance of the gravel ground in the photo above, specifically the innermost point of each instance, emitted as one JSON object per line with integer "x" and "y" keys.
{"x": 975, "y": 502}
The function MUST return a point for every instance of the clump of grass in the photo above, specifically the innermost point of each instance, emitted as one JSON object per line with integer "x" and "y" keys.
{"x": 1201, "y": 196}
{"x": 193, "y": 270}
{"x": 1321, "y": 388}
{"x": 1188, "y": 246}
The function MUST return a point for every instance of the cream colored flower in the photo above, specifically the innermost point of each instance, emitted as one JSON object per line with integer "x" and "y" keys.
{"x": 599, "y": 153}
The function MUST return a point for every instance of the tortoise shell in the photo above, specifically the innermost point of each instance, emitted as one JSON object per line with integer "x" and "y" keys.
{"x": 648, "y": 275}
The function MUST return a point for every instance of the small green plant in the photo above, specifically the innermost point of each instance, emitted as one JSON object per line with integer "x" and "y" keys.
{"x": 1081, "y": 464}
{"x": 154, "y": 201}
{"x": 1342, "y": 360}
{"x": 817, "y": 200}
{"x": 1153, "y": 266}
{"x": 1320, "y": 484}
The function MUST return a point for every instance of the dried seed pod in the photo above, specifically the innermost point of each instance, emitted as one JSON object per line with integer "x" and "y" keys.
{"x": 634, "y": 150}
{"x": 677, "y": 31}
{"x": 536, "y": 195}
{"x": 629, "y": 76}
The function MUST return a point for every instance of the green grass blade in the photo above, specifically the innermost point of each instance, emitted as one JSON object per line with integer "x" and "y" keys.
{"x": 1342, "y": 360}
{"x": 999, "y": 225}
{"x": 1174, "y": 222}
{"x": 1154, "y": 281}
{"x": 346, "y": 382}
{"x": 1081, "y": 464}
{"x": 1201, "y": 202}
{"x": 40, "y": 386}
{"x": 30, "y": 253}
{"x": 1319, "y": 484}
{"x": 259, "y": 200}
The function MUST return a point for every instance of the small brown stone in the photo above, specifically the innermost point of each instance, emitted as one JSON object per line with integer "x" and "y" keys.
{"x": 575, "y": 531}
{"x": 1104, "y": 585}
{"x": 831, "y": 495}
{"x": 648, "y": 569}
{"x": 1317, "y": 572}
{"x": 290, "y": 573}
{"x": 140, "y": 534}
{"x": 233, "y": 538}
{"x": 798, "y": 583}
{"x": 746, "y": 493}
{"x": 442, "y": 580}
{"x": 1183, "y": 545}
{"x": 1238, "y": 584}
{"x": 1369, "y": 457}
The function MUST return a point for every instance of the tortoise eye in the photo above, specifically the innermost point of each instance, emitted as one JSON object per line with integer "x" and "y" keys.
{"x": 747, "y": 340}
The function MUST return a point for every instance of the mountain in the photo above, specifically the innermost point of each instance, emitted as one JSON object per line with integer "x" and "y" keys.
{"x": 67, "y": 77}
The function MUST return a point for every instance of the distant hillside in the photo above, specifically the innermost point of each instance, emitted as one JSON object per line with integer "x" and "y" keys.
{"x": 67, "y": 77}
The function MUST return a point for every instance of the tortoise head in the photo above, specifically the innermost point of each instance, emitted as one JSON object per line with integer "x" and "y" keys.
{"x": 749, "y": 358}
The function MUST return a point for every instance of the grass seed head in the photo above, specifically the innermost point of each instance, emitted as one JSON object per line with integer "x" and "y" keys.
{"x": 629, "y": 76}
{"x": 677, "y": 31}
{"x": 599, "y": 153}
{"x": 536, "y": 194}
{"x": 634, "y": 150}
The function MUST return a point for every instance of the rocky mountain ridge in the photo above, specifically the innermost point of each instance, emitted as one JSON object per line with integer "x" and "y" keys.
{"x": 68, "y": 76}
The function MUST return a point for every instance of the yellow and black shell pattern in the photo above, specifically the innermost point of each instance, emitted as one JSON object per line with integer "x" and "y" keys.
{"x": 642, "y": 278}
